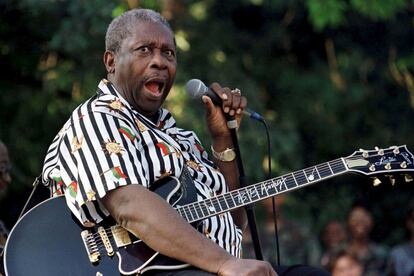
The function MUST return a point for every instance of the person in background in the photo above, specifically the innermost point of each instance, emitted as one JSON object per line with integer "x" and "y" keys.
{"x": 296, "y": 242}
{"x": 344, "y": 263}
{"x": 372, "y": 256}
{"x": 402, "y": 255}
{"x": 333, "y": 237}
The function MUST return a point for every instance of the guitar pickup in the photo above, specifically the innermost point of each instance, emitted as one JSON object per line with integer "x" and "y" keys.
{"x": 91, "y": 246}
{"x": 120, "y": 236}
{"x": 106, "y": 242}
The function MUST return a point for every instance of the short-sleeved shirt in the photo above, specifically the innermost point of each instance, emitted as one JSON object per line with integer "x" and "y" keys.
{"x": 106, "y": 144}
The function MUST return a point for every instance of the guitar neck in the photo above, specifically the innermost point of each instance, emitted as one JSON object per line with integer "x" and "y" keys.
{"x": 237, "y": 198}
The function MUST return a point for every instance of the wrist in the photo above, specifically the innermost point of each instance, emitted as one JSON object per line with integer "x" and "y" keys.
{"x": 222, "y": 267}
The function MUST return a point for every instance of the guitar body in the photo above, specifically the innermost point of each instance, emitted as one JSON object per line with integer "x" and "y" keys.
{"x": 47, "y": 241}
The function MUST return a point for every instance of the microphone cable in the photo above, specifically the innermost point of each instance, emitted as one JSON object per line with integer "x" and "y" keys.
{"x": 269, "y": 176}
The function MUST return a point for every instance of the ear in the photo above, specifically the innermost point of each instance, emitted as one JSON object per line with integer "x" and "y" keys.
{"x": 109, "y": 61}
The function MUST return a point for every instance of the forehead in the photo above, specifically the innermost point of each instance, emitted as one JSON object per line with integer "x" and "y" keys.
{"x": 151, "y": 32}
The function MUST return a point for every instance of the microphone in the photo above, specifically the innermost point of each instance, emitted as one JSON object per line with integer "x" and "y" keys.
{"x": 196, "y": 89}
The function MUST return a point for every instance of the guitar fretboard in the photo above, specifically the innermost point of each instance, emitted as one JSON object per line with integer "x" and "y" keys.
{"x": 231, "y": 200}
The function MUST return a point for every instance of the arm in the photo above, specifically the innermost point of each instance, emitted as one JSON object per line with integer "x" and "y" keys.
{"x": 233, "y": 104}
{"x": 153, "y": 220}
{"x": 150, "y": 218}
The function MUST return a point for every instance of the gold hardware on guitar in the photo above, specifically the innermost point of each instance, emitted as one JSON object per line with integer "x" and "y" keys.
{"x": 388, "y": 166}
{"x": 106, "y": 242}
{"x": 120, "y": 235}
{"x": 408, "y": 178}
{"x": 91, "y": 246}
{"x": 376, "y": 181}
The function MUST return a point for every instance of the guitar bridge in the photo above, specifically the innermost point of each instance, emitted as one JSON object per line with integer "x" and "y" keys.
{"x": 91, "y": 246}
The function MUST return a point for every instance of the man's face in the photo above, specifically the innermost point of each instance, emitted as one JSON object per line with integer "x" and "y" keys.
{"x": 145, "y": 67}
{"x": 5, "y": 166}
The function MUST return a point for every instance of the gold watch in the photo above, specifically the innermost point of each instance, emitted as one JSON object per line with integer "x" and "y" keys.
{"x": 226, "y": 156}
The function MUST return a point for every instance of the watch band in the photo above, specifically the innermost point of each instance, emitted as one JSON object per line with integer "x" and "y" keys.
{"x": 226, "y": 156}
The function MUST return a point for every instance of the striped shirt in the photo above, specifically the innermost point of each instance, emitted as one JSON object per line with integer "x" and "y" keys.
{"x": 106, "y": 144}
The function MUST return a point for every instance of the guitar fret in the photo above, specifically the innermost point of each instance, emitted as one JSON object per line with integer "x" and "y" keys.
{"x": 339, "y": 166}
{"x": 183, "y": 213}
{"x": 204, "y": 208}
{"x": 330, "y": 167}
{"x": 310, "y": 174}
{"x": 199, "y": 209}
{"x": 231, "y": 203}
{"x": 300, "y": 177}
{"x": 188, "y": 213}
{"x": 323, "y": 172}
{"x": 290, "y": 182}
{"x": 225, "y": 201}
{"x": 293, "y": 176}
{"x": 196, "y": 210}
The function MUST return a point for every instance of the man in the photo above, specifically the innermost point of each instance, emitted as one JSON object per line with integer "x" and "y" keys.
{"x": 118, "y": 143}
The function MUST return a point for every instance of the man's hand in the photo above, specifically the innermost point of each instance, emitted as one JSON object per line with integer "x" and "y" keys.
{"x": 233, "y": 105}
{"x": 245, "y": 267}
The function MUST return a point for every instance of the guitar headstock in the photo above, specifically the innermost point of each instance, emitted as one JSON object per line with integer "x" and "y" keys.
{"x": 395, "y": 159}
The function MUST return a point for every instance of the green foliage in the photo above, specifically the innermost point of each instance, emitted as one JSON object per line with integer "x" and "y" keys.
{"x": 326, "y": 13}
{"x": 379, "y": 10}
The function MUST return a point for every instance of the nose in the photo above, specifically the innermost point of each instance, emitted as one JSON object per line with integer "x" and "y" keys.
{"x": 158, "y": 61}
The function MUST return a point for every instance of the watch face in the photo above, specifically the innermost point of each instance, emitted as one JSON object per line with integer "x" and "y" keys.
{"x": 229, "y": 155}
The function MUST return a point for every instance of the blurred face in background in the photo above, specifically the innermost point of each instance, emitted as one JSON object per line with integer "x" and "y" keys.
{"x": 347, "y": 266}
{"x": 334, "y": 234}
{"x": 5, "y": 168}
{"x": 360, "y": 223}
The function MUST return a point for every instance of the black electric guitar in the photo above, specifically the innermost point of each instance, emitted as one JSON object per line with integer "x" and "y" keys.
{"x": 47, "y": 240}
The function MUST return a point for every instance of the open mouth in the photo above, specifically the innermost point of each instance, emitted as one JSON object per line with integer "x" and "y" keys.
{"x": 155, "y": 87}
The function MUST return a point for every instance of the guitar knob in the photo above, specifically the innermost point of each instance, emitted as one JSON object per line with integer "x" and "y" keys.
{"x": 403, "y": 165}
{"x": 381, "y": 152}
{"x": 376, "y": 181}
{"x": 408, "y": 178}
{"x": 372, "y": 168}
{"x": 388, "y": 166}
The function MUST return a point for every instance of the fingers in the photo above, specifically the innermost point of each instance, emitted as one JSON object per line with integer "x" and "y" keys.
{"x": 233, "y": 101}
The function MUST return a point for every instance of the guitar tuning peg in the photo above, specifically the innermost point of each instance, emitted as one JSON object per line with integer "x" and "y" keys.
{"x": 388, "y": 166}
{"x": 408, "y": 178}
{"x": 403, "y": 165}
{"x": 364, "y": 153}
{"x": 376, "y": 181}
{"x": 396, "y": 150}
{"x": 392, "y": 179}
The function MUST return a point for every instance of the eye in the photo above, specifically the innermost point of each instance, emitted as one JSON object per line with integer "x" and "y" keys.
{"x": 169, "y": 53}
{"x": 144, "y": 49}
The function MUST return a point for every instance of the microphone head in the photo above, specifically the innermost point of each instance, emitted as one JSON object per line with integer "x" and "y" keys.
{"x": 196, "y": 88}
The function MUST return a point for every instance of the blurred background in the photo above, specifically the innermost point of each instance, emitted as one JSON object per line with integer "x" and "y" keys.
{"x": 329, "y": 76}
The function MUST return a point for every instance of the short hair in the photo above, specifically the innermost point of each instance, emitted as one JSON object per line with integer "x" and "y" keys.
{"x": 122, "y": 26}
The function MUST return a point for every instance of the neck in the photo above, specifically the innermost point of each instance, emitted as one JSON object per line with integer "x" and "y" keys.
{"x": 153, "y": 118}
